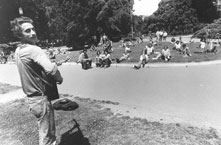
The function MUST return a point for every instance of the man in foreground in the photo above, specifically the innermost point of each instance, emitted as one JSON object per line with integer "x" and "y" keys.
{"x": 33, "y": 65}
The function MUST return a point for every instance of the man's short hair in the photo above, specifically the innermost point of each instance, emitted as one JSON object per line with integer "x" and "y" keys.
{"x": 16, "y": 25}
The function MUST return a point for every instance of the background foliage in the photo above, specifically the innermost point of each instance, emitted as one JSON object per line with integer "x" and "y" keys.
{"x": 181, "y": 17}
{"x": 75, "y": 21}
{"x": 80, "y": 22}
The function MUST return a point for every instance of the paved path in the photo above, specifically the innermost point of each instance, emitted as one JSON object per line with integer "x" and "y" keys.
{"x": 189, "y": 95}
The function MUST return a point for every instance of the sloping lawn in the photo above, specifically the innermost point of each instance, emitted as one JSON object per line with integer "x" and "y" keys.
{"x": 91, "y": 124}
{"x": 197, "y": 56}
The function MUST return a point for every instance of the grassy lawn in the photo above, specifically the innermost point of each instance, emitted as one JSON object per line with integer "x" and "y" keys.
{"x": 92, "y": 124}
{"x": 176, "y": 56}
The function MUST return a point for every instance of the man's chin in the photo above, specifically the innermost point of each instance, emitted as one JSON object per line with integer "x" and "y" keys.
{"x": 34, "y": 41}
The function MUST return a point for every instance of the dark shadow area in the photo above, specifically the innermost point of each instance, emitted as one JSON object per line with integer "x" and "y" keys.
{"x": 74, "y": 136}
{"x": 198, "y": 52}
{"x": 88, "y": 68}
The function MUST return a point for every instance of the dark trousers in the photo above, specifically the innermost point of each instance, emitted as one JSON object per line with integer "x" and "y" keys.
{"x": 86, "y": 64}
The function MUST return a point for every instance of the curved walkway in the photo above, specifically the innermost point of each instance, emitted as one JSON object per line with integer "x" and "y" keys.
{"x": 188, "y": 93}
{"x": 165, "y": 64}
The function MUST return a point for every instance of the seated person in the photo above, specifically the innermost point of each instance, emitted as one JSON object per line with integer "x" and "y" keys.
{"x": 51, "y": 53}
{"x": 126, "y": 54}
{"x": 164, "y": 55}
{"x": 210, "y": 48}
{"x": 202, "y": 43}
{"x": 98, "y": 59}
{"x": 130, "y": 43}
{"x": 108, "y": 46}
{"x": 106, "y": 61}
{"x": 84, "y": 59}
{"x": 165, "y": 35}
{"x": 122, "y": 43}
{"x": 180, "y": 40}
{"x": 93, "y": 47}
{"x": 191, "y": 40}
{"x": 150, "y": 49}
{"x": 177, "y": 46}
{"x": 142, "y": 61}
{"x": 127, "y": 49}
{"x": 186, "y": 51}
{"x": 154, "y": 43}
{"x": 173, "y": 40}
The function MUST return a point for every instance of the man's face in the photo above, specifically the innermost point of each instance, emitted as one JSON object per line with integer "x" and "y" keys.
{"x": 28, "y": 33}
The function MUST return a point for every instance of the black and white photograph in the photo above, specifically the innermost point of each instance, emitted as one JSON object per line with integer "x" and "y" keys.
{"x": 110, "y": 72}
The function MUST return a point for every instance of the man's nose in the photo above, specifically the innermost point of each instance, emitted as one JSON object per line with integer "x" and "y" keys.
{"x": 33, "y": 33}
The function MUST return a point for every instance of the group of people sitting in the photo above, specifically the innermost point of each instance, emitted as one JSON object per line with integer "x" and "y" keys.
{"x": 150, "y": 50}
{"x": 125, "y": 55}
{"x": 180, "y": 46}
{"x": 102, "y": 58}
{"x": 207, "y": 46}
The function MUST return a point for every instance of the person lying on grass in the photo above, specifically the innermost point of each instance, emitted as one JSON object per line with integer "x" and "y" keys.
{"x": 126, "y": 54}
{"x": 142, "y": 61}
{"x": 164, "y": 55}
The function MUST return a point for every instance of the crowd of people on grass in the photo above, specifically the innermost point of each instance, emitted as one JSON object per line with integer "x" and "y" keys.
{"x": 103, "y": 58}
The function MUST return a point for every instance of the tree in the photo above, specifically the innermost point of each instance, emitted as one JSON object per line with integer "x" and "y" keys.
{"x": 76, "y": 21}
{"x": 88, "y": 18}
{"x": 8, "y": 11}
{"x": 181, "y": 17}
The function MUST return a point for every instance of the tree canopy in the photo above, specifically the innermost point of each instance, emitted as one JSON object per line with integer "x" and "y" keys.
{"x": 75, "y": 21}
{"x": 211, "y": 31}
{"x": 181, "y": 17}
{"x": 79, "y": 22}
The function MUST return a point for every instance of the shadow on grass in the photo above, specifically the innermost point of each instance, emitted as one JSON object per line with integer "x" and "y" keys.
{"x": 74, "y": 136}
{"x": 198, "y": 52}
